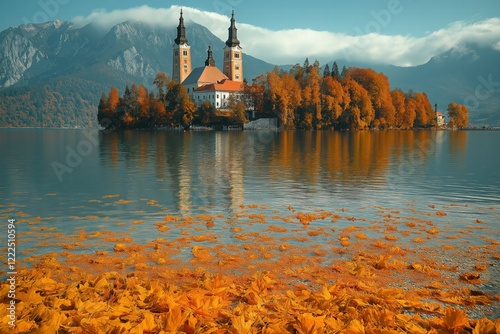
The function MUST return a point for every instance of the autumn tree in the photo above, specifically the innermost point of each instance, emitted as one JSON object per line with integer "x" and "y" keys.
{"x": 161, "y": 82}
{"x": 358, "y": 110}
{"x": 285, "y": 95}
{"x": 206, "y": 113}
{"x": 297, "y": 72}
{"x": 106, "y": 113}
{"x": 159, "y": 114}
{"x": 398, "y": 100}
{"x": 179, "y": 104}
{"x": 128, "y": 109}
{"x": 459, "y": 115}
{"x": 144, "y": 107}
{"x": 410, "y": 114}
{"x": 238, "y": 116}
{"x": 424, "y": 111}
{"x": 311, "y": 100}
{"x": 113, "y": 98}
{"x": 255, "y": 92}
{"x": 378, "y": 88}
{"x": 332, "y": 95}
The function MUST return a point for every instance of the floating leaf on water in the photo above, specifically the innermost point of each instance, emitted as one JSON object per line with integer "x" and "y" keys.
{"x": 123, "y": 201}
{"x": 480, "y": 267}
{"x": 360, "y": 236}
{"x": 470, "y": 277}
{"x": 119, "y": 247}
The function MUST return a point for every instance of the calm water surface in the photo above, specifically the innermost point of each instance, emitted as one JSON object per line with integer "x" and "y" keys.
{"x": 67, "y": 176}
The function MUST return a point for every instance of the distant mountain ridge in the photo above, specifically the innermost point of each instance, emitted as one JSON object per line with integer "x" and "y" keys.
{"x": 53, "y": 74}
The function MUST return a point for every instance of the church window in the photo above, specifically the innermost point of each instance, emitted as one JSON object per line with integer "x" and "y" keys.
{"x": 184, "y": 53}
{"x": 237, "y": 76}
{"x": 227, "y": 55}
{"x": 237, "y": 67}
{"x": 237, "y": 55}
{"x": 176, "y": 52}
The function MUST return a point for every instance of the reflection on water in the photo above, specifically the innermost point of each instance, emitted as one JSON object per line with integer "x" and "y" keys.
{"x": 223, "y": 169}
{"x": 192, "y": 172}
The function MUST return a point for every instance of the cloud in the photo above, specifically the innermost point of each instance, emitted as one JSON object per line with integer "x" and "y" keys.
{"x": 294, "y": 45}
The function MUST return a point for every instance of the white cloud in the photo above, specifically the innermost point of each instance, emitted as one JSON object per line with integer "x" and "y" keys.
{"x": 292, "y": 46}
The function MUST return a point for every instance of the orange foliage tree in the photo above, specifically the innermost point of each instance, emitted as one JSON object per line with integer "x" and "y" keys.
{"x": 333, "y": 99}
{"x": 358, "y": 110}
{"x": 398, "y": 101}
{"x": 459, "y": 115}
{"x": 378, "y": 88}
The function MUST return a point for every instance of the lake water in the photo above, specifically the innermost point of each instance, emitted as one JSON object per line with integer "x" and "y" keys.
{"x": 66, "y": 173}
{"x": 56, "y": 172}
{"x": 92, "y": 180}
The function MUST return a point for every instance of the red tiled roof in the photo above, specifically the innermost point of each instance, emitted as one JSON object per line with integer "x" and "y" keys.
{"x": 440, "y": 114}
{"x": 204, "y": 75}
{"x": 224, "y": 85}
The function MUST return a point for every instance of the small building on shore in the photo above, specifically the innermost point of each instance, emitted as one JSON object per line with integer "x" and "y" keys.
{"x": 440, "y": 119}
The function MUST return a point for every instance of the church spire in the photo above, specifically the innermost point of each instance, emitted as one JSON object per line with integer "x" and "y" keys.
{"x": 233, "y": 34}
{"x": 181, "y": 32}
{"x": 210, "y": 59}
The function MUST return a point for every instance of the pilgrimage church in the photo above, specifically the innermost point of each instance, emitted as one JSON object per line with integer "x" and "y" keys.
{"x": 208, "y": 83}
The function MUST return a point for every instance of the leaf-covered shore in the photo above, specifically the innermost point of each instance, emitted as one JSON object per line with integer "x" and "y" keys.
{"x": 308, "y": 274}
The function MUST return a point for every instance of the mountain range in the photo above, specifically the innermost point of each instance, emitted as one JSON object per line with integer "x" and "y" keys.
{"x": 53, "y": 74}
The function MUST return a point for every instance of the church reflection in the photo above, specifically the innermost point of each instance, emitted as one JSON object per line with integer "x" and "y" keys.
{"x": 189, "y": 171}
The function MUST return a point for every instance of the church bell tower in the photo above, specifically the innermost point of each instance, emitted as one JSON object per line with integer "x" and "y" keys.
{"x": 181, "y": 66}
{"x": 233, "y": 55}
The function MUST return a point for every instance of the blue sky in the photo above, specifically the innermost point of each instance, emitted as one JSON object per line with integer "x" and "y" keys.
{"x": 407, "y": 23}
